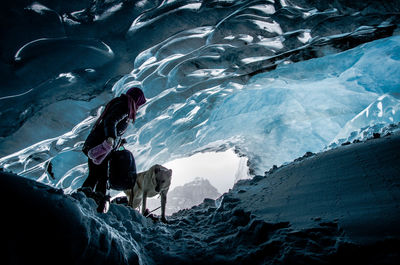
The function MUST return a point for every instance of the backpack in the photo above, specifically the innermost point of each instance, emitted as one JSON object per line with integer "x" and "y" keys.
{"x": 122, "y": 170}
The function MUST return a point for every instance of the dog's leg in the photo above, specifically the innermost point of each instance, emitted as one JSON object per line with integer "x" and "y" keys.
{"x": 163, "y": 204}
{"x": 144, "y": 208}
{"x": 130, "y": 202}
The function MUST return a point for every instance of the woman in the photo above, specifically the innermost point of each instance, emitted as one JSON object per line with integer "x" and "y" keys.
{"x": 107, "y": 132}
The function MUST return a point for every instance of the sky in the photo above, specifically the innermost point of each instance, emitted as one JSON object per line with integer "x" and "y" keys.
{"x": 219, "y": 168}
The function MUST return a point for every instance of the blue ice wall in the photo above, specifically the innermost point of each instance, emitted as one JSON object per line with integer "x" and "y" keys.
{"x": 217, "y": 75}
{"x": 276, "y": 116}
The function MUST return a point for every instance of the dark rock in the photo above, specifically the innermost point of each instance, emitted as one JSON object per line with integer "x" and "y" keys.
{"x": 377, "y": 135}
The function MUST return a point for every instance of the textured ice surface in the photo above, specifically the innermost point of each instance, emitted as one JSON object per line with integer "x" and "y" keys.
{"x": 274, "y": 117}
{"x": 218, "y": 75}
{"x": 378, "y": 117}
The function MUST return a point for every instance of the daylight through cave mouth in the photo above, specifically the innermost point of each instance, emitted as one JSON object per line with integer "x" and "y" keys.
{"x": 201, "y": 176}
{"x": 221, "y": 169}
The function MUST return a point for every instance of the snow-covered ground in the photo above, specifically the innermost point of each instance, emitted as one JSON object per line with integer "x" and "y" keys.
{"x": 336, "y": 207}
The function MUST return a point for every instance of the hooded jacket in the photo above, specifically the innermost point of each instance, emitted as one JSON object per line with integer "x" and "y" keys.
{"x": 115, "y": 118}
{"x": 113, "y": 124}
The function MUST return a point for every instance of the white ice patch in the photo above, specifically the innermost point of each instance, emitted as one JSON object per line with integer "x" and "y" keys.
{"x": 255, "y": 59}
{"x": 310, "y": 13}
{"x": 305, "y": 36}
{"x": 140, "y": 21}
{"x": 230, "y": 37}
{"x": 246, "y": 38}
{"x": 108, "y": 12}
{"x": 273, "y": 43}
{"x": 38, "y": 8}
{"x": 272, "y": 27}
{"x": 379, "y": 106}
{"x": 69, "y": 76}
{"x": 266, "y": 9}
{"x": 189, "y": 116}
{"x": 206, "y": 72}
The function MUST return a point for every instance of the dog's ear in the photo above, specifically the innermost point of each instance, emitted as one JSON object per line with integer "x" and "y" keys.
{"x": 156, "y": 170}
{"x": 170, "y": 172}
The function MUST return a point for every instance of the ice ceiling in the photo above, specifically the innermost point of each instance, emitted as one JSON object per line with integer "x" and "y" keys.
{"x": 270, "y": 79}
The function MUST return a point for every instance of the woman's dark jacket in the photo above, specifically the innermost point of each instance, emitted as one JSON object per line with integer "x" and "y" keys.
{"x": 113, "y": 124}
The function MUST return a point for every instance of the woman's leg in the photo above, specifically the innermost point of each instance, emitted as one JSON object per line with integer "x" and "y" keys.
{"x": 101, "y": 187}
{"x": 102, "y": 177}
{"x": 91, "y": 180}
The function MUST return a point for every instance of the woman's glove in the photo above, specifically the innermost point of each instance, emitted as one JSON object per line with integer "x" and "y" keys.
{"x": 110, "y": 141}
{"x": 100, "y": 152}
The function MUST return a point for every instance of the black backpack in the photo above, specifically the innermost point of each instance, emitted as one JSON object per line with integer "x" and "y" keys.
{"x": 122, "y": 170}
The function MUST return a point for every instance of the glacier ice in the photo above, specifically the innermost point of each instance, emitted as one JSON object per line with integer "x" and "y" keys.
{"x": 227, "y": 75}
{"x": 379, "y": 116}
{"x": 267, "y": 79}
{"x": 274, "y": 117}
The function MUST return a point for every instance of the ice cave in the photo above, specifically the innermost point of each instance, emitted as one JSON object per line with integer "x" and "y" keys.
{"x": 294, "y": 103}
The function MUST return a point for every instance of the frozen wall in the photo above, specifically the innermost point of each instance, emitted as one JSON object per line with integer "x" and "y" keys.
{"x": 276, "y": 116}
{"x": 270, "y": 79}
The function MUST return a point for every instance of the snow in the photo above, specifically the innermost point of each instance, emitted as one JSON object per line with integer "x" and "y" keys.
{"x": 328, "y": 208}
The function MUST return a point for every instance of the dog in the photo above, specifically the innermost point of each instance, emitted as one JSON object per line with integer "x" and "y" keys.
{"x": 148, "y": 184}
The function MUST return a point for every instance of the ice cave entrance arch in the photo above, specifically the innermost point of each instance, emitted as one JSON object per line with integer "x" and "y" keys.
{"x": 221, "y": 169}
